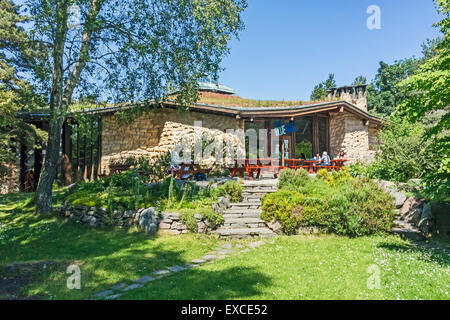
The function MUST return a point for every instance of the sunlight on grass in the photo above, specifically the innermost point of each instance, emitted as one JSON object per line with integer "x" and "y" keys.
{"x": 37, "y": 250}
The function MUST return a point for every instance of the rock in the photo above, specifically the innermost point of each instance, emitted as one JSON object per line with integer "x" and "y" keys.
{"x": 426, "y": 220}
{"x": 399, "y": 198}
{"x": 114, "y": 296}
{"x": 133, "y": 286}
{"x": 224, "y": 202}
{"x": 409, "y": 204}
{"x": 198, "y": 261}
{"x": 275, "y": 226}
{"x": 171, "y": 216}
{"x": 161, "y": 273}
{"x": 386, "y": 185}
{"x": 164, "y": 226}
{"x": 227, "y": 246}
{"x": 103, "y": 293}
{"x": 176, "y": 268}
{"x": 119, "y": 286}
{"x": 178, "y": 226}
{"x": 148, "y": 221}
{"x": 209, "y": 257}
{"x": 145, "y": 279}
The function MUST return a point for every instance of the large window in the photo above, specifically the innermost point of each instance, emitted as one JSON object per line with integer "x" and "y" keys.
{"x": 304, "y": 137}
{"x": 251, "y": 153}
{"x": 323, "y": 134}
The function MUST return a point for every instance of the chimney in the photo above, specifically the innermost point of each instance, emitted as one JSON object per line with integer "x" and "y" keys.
{"x": 356, "y": 95}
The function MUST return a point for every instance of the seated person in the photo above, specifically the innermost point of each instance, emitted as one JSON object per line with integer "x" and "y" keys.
{"x": 326, "y": 161}
{"x": 302, "y": 156}
{"x": 317, "y": 157}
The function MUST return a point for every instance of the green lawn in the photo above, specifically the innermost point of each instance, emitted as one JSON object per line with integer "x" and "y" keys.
{"x": 35, "y": 252}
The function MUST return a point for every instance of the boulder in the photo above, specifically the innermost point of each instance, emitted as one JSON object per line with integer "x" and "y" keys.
{"x": 399, "y": 198}
{"x": 148, "y": 220}
{"x": 224, "y": 202}
{"x": 386, "y": 185}
{"x": 426, "y": 220}
{"x": 275, "y": 226}
{"x": 409, "y": 205}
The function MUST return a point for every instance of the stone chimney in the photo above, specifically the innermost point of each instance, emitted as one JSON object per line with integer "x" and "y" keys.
{"x": 356, "y": 95}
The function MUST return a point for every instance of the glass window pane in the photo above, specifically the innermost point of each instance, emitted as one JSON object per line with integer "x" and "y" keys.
{"x": 323, "y": 135}
{"x": 256, "y": 125}
{"x": 304, "y": 137}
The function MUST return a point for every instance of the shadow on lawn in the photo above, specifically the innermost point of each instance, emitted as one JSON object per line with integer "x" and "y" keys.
{"x": 435, "y": 255}
{"x": 199, "y": 284}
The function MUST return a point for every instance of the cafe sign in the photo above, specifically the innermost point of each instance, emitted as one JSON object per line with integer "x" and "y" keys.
{"x": 283, "y": 129}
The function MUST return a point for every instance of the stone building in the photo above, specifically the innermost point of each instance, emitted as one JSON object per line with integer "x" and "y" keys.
{"x": 341, "y": 124}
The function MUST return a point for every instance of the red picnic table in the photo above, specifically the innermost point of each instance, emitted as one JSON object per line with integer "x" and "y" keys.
{"x": 188, "y": 168}
{"x": 252, "y": 166}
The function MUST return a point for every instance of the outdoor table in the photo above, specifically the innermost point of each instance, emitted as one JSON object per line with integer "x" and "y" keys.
{"x": 189, "y": 168}
{"x": 310, "y": 164}
{"x": 338, "y": 162}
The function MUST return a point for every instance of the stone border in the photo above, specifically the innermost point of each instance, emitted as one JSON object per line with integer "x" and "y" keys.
{"x": 148, "y": 220}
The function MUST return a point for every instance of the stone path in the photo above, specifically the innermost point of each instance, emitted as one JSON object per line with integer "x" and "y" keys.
{"x": 243, "y": 219}
{"x": 225, "y": 250}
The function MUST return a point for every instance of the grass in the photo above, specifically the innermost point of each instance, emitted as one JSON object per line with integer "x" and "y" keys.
{"x": 36, "y": 250}
{"x": 231, "y": 100}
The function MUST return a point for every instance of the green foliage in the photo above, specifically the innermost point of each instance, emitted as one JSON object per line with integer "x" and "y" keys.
{"x": 292, "y": 179}
{"x": 16, "y": 55}
{"x": 360, "y": 80}
{"x": 304, "y": 147}
{"x": 213, "y": 219}
{"x": 127, "y": 191}
{"x": 334, "y": 201}
{"x": 404, "y": 155}
{"x": 230, "y": 189}
{"x": 320, "y": 91}
{"x": 279, "y": 206}
{"x": 361, "y": 208}
{"x": 429, "y": 91}
{"x": 383, "y": 94}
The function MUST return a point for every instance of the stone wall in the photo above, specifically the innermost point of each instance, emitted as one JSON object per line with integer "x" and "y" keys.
{"x": 147, "y": 220}
{"x": 351, "y": 135}
{"x": 157, "y": 133}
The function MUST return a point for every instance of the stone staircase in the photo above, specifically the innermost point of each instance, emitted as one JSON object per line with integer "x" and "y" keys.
{"x": 242, "y": 220}
{"x": 407, "y": 231}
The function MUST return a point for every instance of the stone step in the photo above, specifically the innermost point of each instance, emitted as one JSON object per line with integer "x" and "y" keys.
{"x": 259, "y": 190}
{"x": 409, "y": 234}
{"x": 243, "y": 220}
{"x": 243, "y": 226}
{"x": 245, "y": 232}
{"x": 407, "y": 231}
{"x": 241, "y": 215}
{"x": 261, "y": 183}
{"x": 242, "y": 204}
{"x": 242, "y": 211}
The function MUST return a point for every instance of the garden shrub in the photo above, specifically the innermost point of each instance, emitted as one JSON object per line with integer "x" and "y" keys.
{"x": 279, "y": 206}
{"x": 293, "y": 178}
{"x": 188, "y": 218}
{"x": 334, "y": 201}
{"x": 230, "y": 189}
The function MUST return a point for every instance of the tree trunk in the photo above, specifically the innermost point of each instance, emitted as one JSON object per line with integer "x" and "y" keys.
{"x": 43, "y": 194}
{"x": 44, "y": 189}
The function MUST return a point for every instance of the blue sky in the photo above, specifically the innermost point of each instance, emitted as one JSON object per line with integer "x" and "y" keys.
{"x": 289, "y": 46}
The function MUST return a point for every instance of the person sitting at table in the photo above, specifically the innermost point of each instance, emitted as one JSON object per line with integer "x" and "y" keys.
{"x": 326, "y": 161}
{"x": 317, "y": 157}
{"x": 302, "y": 156}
